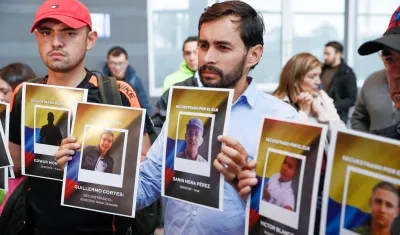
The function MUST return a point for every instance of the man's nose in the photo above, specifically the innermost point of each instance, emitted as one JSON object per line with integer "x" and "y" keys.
{"x": 56, "y": 41}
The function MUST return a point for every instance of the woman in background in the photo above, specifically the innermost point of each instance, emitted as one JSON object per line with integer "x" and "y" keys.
{"x": 299, "y": 86}
{"x": 10, "y": 77}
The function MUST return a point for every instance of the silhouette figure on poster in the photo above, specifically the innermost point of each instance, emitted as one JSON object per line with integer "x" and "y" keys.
{"x": 49, "y": 133}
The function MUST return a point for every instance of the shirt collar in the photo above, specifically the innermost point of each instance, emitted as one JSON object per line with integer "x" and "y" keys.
{"x": 249, "y": 95}
{"x": 197, "y": 76}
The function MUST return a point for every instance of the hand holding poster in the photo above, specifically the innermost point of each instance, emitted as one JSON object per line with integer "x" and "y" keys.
{"x": 284, "y": 199}
{"x": 362, "y": 185}
{"x": 102, "y": 174}
{"x": 196, "y": 117}
{"x": 46, "y": 120}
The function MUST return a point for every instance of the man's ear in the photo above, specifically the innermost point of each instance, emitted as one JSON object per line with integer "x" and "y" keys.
{"x": 91, "y": 40}
{"x": 254, "y": 55}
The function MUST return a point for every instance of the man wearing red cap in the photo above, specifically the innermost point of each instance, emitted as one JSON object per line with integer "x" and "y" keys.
{"x": 64, "y": 34}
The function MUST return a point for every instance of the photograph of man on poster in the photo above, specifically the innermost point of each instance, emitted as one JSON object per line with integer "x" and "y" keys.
{"x": 49, "y": 133}
{"x": 194, "y": 139}
{"x": 51, "y": 126}
{"x": 384, "y": 204}
{"x": 97, "y": 158}
{"x": 279, "y": 189}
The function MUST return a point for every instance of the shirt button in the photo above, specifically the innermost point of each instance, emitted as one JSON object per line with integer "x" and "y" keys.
{"x": 194, "y": 213}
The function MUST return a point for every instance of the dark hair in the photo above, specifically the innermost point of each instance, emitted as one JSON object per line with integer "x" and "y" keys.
{"x": 189, "y": 39}
{"x": 336, "y": 45}
{"x": 16, "y": 73}
{"x": 251, "y": 25}
{"x": 107, "y": 132}
{"x": 388, "y": 187}
{"x": 117, "y": 51}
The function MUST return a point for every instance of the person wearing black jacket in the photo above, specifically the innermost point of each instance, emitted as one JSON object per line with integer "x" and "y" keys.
{"x": 338, "y": 79}
{"x": 389, "y": 47}
{"x": 160, "y": 109}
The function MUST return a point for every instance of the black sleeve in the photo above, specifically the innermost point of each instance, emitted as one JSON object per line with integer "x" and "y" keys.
{"x": 148, "y": 125}
{"x": 15, "y": 117}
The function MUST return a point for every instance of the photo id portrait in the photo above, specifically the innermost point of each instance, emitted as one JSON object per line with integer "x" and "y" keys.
{"x": 103, "y": 156}
{"x": 281, "y": 186}
{"x": 193, "y": 145}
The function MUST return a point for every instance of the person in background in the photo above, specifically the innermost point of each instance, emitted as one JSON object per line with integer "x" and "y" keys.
{"x": 117, "y": 66}
{"x": 374, "y": 109}
{"x": 338, "y": 79}
{"x": 10, "y": 77}
{"x": 188, "y": 67}
{"x": 299, "y": 85}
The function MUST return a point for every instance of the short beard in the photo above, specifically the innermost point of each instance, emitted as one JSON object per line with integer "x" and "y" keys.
{"x": 64, "y": 67}
{"x": 226, "y": 80}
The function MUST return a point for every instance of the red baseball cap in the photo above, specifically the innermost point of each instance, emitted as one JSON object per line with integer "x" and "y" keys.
{"x": 390, "y": 39}
{"x": 71, "y": 12}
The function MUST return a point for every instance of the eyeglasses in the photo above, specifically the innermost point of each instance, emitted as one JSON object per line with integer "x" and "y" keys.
{"x": 115, "y": 64}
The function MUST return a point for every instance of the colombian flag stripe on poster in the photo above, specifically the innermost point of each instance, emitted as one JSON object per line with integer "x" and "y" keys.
{"x": 362, "y": 170}
{"x": 46, "y": 118}
{"x": 289, "y": 159}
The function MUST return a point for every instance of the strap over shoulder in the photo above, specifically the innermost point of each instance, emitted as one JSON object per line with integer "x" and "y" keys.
{"x": 109, "y": 91}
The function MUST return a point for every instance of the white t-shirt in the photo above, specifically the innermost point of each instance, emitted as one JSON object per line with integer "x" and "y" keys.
{"x": 100, "y": 165}
{"x": 281, "y": 193}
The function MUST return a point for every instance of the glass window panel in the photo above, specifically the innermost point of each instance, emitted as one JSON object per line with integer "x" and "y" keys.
{"x": 368, "y": 28}
{"x": 377, "y": 6}
{"x": 101, "y": 24}
{"x": 269, "y": 67}
{"x": 312, "y": 32}
{"x": 160, "y": 5}
{"x": 319, "y": 6}
{"x": 169, "y": 32}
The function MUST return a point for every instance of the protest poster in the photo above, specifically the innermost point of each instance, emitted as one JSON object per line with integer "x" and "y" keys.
{"x": 288, "y": 168}
{"x": 102, "y": 174}
{"x": 193, "y": 126}
{"x": 362, "y": 184}
{"x": 46, "y": 119}
{"x": 5, "y": 156}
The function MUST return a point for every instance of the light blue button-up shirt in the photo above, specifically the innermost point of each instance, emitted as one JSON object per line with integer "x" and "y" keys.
{"x": 182, "y": 218}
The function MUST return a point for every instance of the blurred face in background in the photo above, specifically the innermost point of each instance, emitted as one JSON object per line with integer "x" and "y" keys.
{"x": 118, "y": 65}
{"x": 190, "y": 55}
{"x": 5, "y": 91}
{"x": 311, "y": 80}
{"x": 331, "y": 56}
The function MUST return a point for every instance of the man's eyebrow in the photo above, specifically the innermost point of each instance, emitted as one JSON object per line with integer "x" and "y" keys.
{"x": 44, "y": 27}
{"x": 226, "y": 43}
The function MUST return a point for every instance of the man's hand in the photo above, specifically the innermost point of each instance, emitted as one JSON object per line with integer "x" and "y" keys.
{"x": 247, "y": 179}
{"x": 231, "y": 159}
{"x": 266, "y": 195}
{"x": 67, "y": 148}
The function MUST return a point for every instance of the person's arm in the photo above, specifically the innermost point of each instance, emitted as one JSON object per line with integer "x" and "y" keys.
{"x": 14, "y": 143}
{"x": 149, "y": 183}
{"x": 288, "y": 199}
{"x": 129, "y": 98}
{"x": 350, "y": 88}
{"x": 360, "y": 120}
